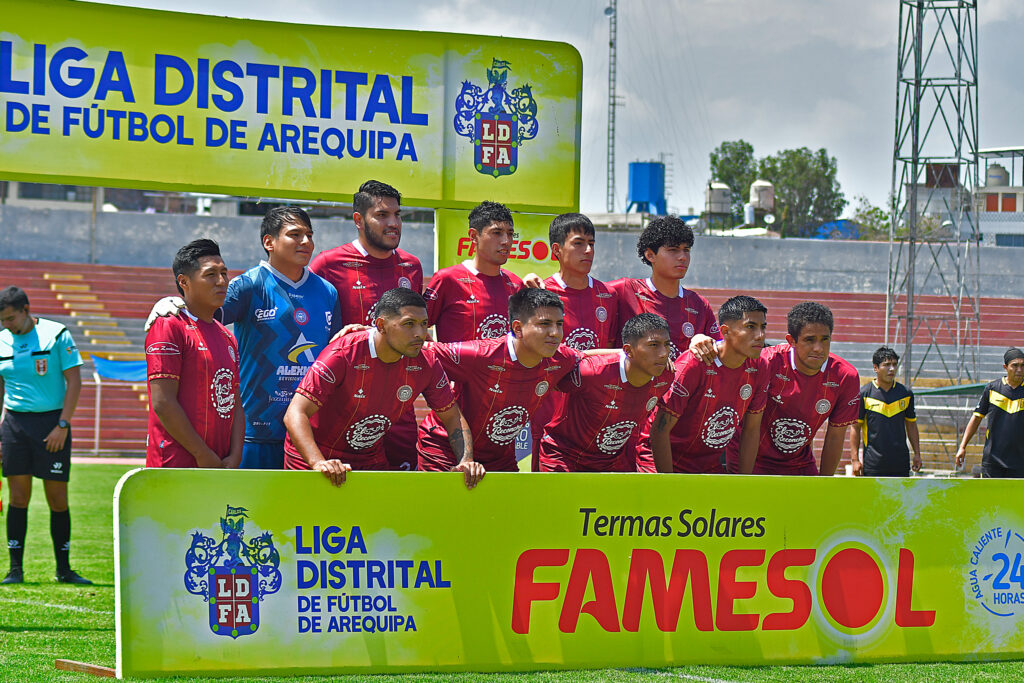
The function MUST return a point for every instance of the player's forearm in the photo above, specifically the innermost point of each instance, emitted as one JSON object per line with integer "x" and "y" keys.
{"x": 73, "y": 378}
{"x": 970, "y": 430}
{"x": 300, "y": 431}
{"x": 855, "y": 443}
{"x": 661, "y": 441}
{"x": 914, "y": 435}
{"x": 832, "y": 450}
{"x": 237, "y": 430}
{"x": 459, "y": 435}
{"x": 750, "y": 439}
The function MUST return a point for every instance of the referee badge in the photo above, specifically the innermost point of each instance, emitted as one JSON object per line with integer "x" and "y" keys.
{"x": 745, "y": 391}
{"x": 601, "y": 313}
{"x": 40, "y": 366}
{"x": 823, "y": 406}
{"x": 542, "y": 388}
{"x": 404, "y": 393}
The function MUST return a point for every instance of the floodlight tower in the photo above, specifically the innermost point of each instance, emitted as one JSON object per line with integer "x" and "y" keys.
{"x": 933, "y": 233}
{"x": 613, "y": 16}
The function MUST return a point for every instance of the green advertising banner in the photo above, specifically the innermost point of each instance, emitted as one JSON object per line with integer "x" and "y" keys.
{"x": 249, "y": 572}
{"x": 105, "y": 95}
{"x": 531, "y": 249}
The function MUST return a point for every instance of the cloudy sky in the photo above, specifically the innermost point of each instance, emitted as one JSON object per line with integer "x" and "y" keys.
{"x": 692, "y": 73}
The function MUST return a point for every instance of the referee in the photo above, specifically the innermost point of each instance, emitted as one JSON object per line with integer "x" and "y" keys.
{"x": 40, "y": 381}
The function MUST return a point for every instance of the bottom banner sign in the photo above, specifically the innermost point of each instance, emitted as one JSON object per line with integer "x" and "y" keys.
{"x": 246, "y": 572}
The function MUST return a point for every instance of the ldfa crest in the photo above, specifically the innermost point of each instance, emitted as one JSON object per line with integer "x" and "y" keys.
{"x": 233, "y": 576}
{"x": 496, "y": 120}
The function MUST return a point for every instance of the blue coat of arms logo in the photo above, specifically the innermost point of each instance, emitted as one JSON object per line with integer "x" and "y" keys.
{"x": 233, "y": 575}
{"x": 496, "y": 120}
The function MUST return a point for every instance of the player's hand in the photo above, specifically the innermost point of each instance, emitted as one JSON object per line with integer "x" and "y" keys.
{"x": 961, "y": 455}
{"x": 55, "y": 439}
{"x": 474, "y": 472}
{"x": 232, "y": 461}
{"x": 858, "y": 467}
{"x": 169, "y": 305}
{"x": 349, "y": 329}
{"x": 703, "y": 348}
{"x": 334, "y": 470}
{"x": 209, "y": 459}
{"x": 533, "y": 281}
{"x": 915, "y": 464}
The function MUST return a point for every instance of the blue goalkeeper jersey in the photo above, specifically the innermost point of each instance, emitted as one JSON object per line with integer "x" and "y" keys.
{"x": 281, "y": 327}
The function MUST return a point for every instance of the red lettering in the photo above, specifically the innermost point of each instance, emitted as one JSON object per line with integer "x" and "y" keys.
{"x": 905, "y": 616}
{"x": 540, "y": 250}
{"x": 793, "y": 589}
{"x": 648, "y": 566}
{"x": 589, "y": 566}
{"x": 730, "y": 590}
{"x": 526, "y": 590}
{"x": 465, "y": 243}
{"x": 852, "y": 588}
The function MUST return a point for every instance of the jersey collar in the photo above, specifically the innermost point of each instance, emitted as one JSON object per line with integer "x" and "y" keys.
{"x": 622, "y": 365}
{"x": 561, "y": 283}
{"x": 189, "y": 314}
{"x": 511, "y": 347}
{"x": 359, "y": 247}
{"x": 792, "y": 360}
{"x": 284, "y": 278}
{"x": 650, "y": 286}
{"x": 468, "y": 265}
{"x": 373, "y": 346}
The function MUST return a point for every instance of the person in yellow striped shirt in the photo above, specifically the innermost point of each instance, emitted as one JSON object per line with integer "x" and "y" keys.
{"x": 1003, "y": 402}
{"x": 885, "y": 423}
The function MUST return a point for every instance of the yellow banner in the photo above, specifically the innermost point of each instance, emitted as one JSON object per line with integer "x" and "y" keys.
{"x": 280, "y": 573}
{"x": 106, "y": 95}
{"x": 531, "y": 249}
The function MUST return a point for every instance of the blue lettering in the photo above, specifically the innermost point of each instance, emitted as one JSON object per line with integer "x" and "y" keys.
{"x": 163, "y": 64}
{"x": 409, "y": 117}
{"x": 14, "y": 110}
{"x": 263, "y": 74}
{"x": 115, "y": 77}
{"x": 82, "y": 77}
{"x": 406, "y": 148}
{"x": 221, "y": 71}
{"x": 290, "y": 91}
{"x": 7, "y": 80}
{"x": 381, "y": 100}
{"x": 350, "y": 79}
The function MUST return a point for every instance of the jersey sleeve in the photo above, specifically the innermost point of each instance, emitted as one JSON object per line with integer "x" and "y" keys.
{"x": 237, "y": 301}
{"x": 438, "y": 392}
{"x": 434, "y": 295}
{"x": 685, "y": 385}
{"x": 710, "y": 326}
{"x": 569, "y": 358}
{"x": 67, "y": 350}
{"x": 573, "y": 382}
{"x": 861, "y": 410}
{"x": 910, "y": 415}
{"x": 845, "y": 411}
{"x": 983, "y": 403}
{"x": 336, "y": 320}
{"x": 760, "y": 398}
{"x": 324, "y": 376}
{"x": 164, "y": 348}
{"x": 453, "y": 357}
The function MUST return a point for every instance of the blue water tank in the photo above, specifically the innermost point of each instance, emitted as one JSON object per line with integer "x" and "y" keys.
{"x": 646, "y": 187}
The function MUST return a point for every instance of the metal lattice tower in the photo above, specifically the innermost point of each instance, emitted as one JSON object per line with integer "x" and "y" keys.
{"x": 933, "y": 236}
{"x": 613, "y": 18}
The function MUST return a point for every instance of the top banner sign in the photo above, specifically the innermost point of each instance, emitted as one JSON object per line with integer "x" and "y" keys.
{"x": 117, "y": 96}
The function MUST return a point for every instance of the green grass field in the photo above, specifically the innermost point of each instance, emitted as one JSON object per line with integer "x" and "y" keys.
{"x": 41, "y": 621}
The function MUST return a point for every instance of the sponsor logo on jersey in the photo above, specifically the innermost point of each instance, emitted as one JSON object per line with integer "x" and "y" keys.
{"x": 453, "y": 351}
{"x": 613, "y": 437}
{"x": 222, "y": 393}
{"x": 359, "y": 394}
{"x": 163, "y": 348}
{"x": 465, "y": 280}
{"x": 493, "y": 326}
{"x": 496, "y": 368}
{"x": 613, "y": 387}
{"x": 823, "y": 406}
{"x": 291, "y": 370}
{"x": 552, "y": 368}
{"x": 359, "y": 285}
{"x": 361, "y": 366}
{"x": 231, "y": 352}
{"x": 853, "y": 402}
{"x": 710, "y": 371}
{"x": 233, "y": 576}
{"x": 351, "y": 264}
{"x": 714, "y": 328}
{"x": 329, "y": 318}
{"x": 302, "y": 347}
{"x": 750, "y": 370}
{"x": 323, "y": 372}
{"x": 504, "y": 425}
{"x": 659, "y": 384}
{"x": 430, "y": 294}
{"x": 719, "y": 428}
{"x": 789, "y": 435}
{"x": 709, "y": 393}
{"x": 834, "y": 385}
{"x": 300, "y": 316}
{"x": 604, "y": 295}
{"x": 782, "y": 377}
{"x": 264, "y": 315}
{"x": 581, "y": 339}
{"x": 367, "y": 432}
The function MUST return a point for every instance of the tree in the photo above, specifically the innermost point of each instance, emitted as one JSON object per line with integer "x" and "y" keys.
{"x": 807, "y": 193}
{"x": 733, "y": 163}
{"x": 874, "y": 221}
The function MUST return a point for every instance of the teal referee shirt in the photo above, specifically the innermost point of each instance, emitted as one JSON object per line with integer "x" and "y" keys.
{"x": 32, "y": 366}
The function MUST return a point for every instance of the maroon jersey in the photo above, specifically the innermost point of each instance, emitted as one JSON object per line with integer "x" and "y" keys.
{"x": 496, "y": 394}
{"x": 359, "y": 397}
{"x": 591, "y": 314}
{"x": 465, "y": 304}
{"x": 687, "y": 314}
{"x": 203, "y": 358}
{"x": 709, "y": 403}
{"x": 601, "y": 414}
{"x": 360, "y": 278}
{"x": 797, "y": 406}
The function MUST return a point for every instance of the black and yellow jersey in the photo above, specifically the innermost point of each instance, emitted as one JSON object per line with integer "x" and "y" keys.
{"x": 882, "y": 420}
{"x": 1004, "y": 439}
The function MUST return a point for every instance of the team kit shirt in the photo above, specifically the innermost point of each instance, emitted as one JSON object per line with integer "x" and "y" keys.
{"x": 363, "y": 278}
{"x": 602, "y": 412}
{"x": 591, "y": 314}
{"x": 882, "y": 419}
{"x": 1004, "y": 442}
{"x": 203, "y": 358}
{"x": 709, "y": 403}
{"x": 281, "y": 327}
{"x": 464, "y": 304}
{"x": 497, "y": 396}
{"x": 797, "y": 406}
{"x": 687, "y": 315}
{"x": 359, "y": 397}
{"x": 32, "y": 366}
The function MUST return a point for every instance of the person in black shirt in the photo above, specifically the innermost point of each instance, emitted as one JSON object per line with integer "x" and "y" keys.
{"x": 1003, "y": 402}
{"x": 887, "y": 419}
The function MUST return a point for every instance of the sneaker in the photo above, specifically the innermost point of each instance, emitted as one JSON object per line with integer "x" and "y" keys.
{"x": 71, "y": 576}
{"x": 16, "y": 575}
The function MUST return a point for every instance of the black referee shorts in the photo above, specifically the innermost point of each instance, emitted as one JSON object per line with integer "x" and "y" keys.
{"x": 23, "y": 440}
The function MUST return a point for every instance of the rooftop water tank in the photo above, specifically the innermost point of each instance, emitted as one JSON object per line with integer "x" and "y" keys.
{"x": 762, "y": 195}
{"x": 646, "y": 191}
{"x": 718, "y": 198}
{"x": 996, "y": 175}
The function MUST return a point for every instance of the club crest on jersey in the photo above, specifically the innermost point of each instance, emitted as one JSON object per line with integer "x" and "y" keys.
{"x": 688, "y": 329}
{"x": 41, "y": 366}
{"x": 542, "y": 388}
{"x": 300, "y": 315}
{"x": 746, "y": 391}
{"x": 601, "y": 313}
{"x": 234, "y": 575}
{"x": 404, "y": 393}
{"x": 823, "y": 406}
{"x": 651, "y": 402}
{"x": 496, "y": 120}
{"x": 405, "y": 282}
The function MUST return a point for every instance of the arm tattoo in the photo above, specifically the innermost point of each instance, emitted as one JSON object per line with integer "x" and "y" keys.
{"x": 457, "y": 439}
{"x": 661, "y": 422}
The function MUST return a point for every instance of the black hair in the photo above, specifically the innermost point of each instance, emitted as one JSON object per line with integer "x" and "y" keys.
{"x": 1012, "y": 354}
{"x": 641, "y": 325}
{"x": 663, "y": 231}
{"x": 277, "y": 217}
{"x": 392, "y": 302}
{"x": 807, "y": 313}
{"x": 186, "y": 261}
{"x": 882, "y": 354}
{"x": 734, "y": 308}
{"x": 524, "y": 303}
{"x": 13, "y": 297}
{"x": 485, "y": 213}
{"x": 565, "y": 224}
{"x": 362, "y": 201}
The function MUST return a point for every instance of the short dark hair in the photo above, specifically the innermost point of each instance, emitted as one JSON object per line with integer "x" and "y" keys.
{"x": 565, "y": 224}
{"x": 186, "y": 261}
{"x": 370, "y": 191}
{"x": 663, "y": 231}
{"x": 882, "y": 354}
{"x": 391, "y": 302}
{"x": 641, "y": 325}
{"x": 13, "y": 297}
{"x": 277, "y": 217}
{"x": 485, "y": 213}
{"x": 524, "y": 303}
{"x": 807, "y": 313}
{"x": 734, "y": 308}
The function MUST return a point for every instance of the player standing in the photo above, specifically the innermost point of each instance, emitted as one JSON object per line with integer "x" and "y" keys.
{"x": 195, "y": 414}
{"x": 607, "y": 397}
{"x": 364, "y": 381}
{"x": 704, "y": 407}
{"x": 887, "y": 419}
{"x": 1003, "y": 402}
